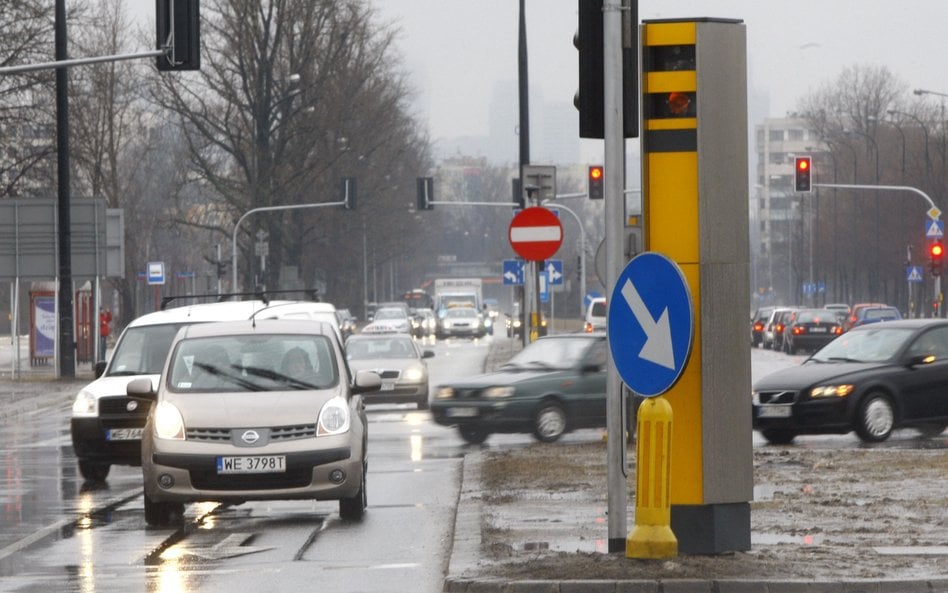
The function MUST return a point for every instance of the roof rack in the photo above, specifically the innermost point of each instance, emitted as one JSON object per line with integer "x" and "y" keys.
{"x": 264, "y": 295}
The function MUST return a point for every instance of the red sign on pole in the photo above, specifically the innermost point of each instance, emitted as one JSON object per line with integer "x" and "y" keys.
{"x": 535, "y": 233}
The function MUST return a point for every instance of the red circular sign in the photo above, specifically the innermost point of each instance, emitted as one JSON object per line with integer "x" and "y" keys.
{"x": 535, "y": 233}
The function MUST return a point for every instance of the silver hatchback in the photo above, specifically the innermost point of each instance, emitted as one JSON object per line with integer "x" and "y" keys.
{"x": 254, "y": 410}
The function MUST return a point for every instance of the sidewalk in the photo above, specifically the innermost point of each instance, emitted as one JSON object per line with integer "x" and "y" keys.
{"x": 816, "y": 525}
{"x": 20, "y": 369}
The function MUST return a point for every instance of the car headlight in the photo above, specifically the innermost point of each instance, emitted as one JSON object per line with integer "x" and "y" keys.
{"x": 414, "y": 374}
{"x": 494, "y": 392}
{"x": 444, "y": 393}
{"x": 168, "y": 422}
{"x": 333, "y": 417}
{"x": 86, "y": 404}
{"x": 831, "y": 390}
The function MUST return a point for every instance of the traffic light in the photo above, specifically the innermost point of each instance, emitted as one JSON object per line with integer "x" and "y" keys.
{"x": 595, "y": 182}
{"x": 347, "y": 191}
{"x": 179, "y": 27}
{"x": 221, "y": 268}
{"x": 936, "y": 252}
{"x": 516, "y": 192}
{"x": 579, "y": 267}
{"x": 425, "y": 193}
{"x": 589, "y": 41}
{"x": 802, "y": 166}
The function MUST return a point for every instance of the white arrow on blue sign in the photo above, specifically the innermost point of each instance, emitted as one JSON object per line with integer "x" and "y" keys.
{"x": 554, "y": 271}
{"x": 513, "y": 272}
{"x": 651, "y": 324}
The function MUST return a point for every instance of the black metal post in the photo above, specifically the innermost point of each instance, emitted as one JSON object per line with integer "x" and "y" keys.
{"x": 67, "y": 345}
{"x": 524, "y": 134}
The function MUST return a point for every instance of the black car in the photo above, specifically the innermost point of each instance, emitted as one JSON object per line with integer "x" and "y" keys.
{"x": 554, "y": 385}
{"x": 810, "y": 329}
{"x": 871, "y": 380}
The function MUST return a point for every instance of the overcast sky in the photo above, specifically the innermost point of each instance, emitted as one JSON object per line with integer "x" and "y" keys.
{"x": 457, "y": 50}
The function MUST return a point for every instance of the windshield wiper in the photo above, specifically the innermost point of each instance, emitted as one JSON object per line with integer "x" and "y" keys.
{"x": 275, "y": 376}
{"x": 843, "y": 359}
{"x": 213, "y": 370}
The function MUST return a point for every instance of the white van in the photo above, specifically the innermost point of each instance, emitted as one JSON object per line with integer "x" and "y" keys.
{"x": 106, "y": 424}
{"x": 596, "y": 316}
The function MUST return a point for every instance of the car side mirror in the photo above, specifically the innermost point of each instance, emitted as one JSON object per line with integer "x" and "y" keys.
{"x": 366, "y": 382}
{"x": 141, "y": 389}
{"x": 100, "y": 368}
{"x": 427, "y": 354}
{"x": 920, "y": 359}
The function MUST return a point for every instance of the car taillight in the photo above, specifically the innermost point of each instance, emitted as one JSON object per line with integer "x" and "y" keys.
{"x": 838, "y": 330}
{"x": 779, "y": 327}
{"x": 589, "y": 328}
{"x": 797, "y": 331}
{"x": 758, "y": 327}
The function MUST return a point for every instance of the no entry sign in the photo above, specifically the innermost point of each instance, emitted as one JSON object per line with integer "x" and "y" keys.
{"x": 535, "y": 233}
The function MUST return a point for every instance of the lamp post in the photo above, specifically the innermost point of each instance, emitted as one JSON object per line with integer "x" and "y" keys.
{"x": 924, "y": 128}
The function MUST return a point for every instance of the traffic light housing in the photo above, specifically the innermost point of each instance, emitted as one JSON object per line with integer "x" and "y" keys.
{"x": 802, "y": 169}
{"x": 347, "y": 192}
{"x": 516, "y": 191}
{"x": 936, "y": 253}
{"x": 594, "y": 179}
{"x": 589, "y": 98}
{"x": 221, "y": 268}
{"x": 179, "y": 26}
{"x": 425, "y": 193}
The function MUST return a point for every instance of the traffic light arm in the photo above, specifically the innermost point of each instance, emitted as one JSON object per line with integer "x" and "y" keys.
{"x": 233, "y": 239}
{"x": 83, "y": 61}
{"x": 931, "y": 204}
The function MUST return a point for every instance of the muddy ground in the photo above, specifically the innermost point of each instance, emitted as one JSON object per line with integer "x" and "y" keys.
{"x": 818, "y": 514}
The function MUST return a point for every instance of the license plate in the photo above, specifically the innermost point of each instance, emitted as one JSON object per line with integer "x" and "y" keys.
{"x": 251, "y": 464}
{"x": 817, "y": 330}
{"x": 388, "y": 387}
{"x": 124, "y": 434}
{"x": 774, "y": 412}
{"x": 461, "y": 412}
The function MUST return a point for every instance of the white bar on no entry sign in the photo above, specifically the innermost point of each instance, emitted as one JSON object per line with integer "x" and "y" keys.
{"x": 531, "y": 234}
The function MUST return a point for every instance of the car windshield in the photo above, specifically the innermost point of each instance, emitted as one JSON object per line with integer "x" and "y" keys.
{"x": 142, "y": 350}
{"x": 816, "y": 317}
{"x": 462, "y": 312}
{"x": 599, "y": 309}
{"x": 252, "y": 363}
{"x": 360, "y": 349}
{"x": 550, "y": 353}
{"x": 390, "y": 314}
{"x": 878, "y": 344}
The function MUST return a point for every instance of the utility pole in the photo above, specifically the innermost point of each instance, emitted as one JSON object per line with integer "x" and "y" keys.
{"x": 67, "y": 348}
{"x": 524, "y": 134}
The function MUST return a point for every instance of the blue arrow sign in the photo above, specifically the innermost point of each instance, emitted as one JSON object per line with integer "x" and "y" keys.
{"x": 513, "y": 272}
{"x": 651, "y": 324}
{"x": 554, "y": 271}
{"x": 934, "y": 229}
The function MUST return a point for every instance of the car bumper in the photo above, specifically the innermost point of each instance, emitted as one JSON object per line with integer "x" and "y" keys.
{"x": 400, "y": 394}
{"x": 306, "y": 476}
{"x": 116, "y": 442}
{"x": 814, "y": 417}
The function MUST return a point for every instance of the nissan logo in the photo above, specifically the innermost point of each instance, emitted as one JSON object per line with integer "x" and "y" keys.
{"x": 132, "y": 405}
{"x": 250, "y": 437}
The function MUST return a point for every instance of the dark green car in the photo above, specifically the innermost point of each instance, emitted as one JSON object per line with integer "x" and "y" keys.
{"x": 555, "y": 385}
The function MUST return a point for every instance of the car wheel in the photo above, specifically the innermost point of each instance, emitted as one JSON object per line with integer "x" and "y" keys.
{"x": 473, "y": 433}
{"x": 549, "y": 422}
{"x": 930, "y": 431}
{"x": 161, "y": 514}
{"x": 94, "y": 472}
{"x": 353, "y": 509}
{"x": 779, "y": 437}
{"x": 422, "y": 404}
{"x": 875, "y": 418}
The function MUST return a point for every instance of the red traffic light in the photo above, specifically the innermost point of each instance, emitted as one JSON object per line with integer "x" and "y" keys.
{"x": 937, "y": 250}
{"x": 803, "y": 164}
{"x": 595, "y": 182}
{"x": 801, "y": 174}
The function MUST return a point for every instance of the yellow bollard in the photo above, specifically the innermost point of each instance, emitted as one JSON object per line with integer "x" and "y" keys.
{"x": 652, "y": 536}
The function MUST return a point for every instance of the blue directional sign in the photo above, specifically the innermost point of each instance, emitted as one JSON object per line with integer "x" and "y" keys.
{"x": 651, "y": 324}
{"x": 513, "y": 272}
{"x": 554, "y": 271}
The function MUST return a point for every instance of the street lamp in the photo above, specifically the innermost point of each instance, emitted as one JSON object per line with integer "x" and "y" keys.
{"x": 924, "y": 128}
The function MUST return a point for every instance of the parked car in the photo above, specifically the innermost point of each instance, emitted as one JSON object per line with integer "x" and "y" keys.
{"x": 810, "y": 329}
{"x": 780, "y": 327}
{"x": 263, "y": 410}
{"x": 461, "y": 321}
{"x": 106, "y": 426}
{"x": 398, "y": 361}
{"x": 872, "y": 380}
{"x": 758, "y": 323}
{"x": 554, "y": 385}
{"x": 595, "y": 316}
{"x": 854, "y": 311}
{"x": 866, "y": 315}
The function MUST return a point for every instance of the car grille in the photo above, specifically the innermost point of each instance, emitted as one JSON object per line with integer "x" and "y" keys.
{"x": 466, "y": 393}
{"x": 389, "y": 374}
{"x": 117, "y": 407}
{"x": 776, "y": 397}
{"x": 279, "y": 433}
{"x": 291, "y": 478}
